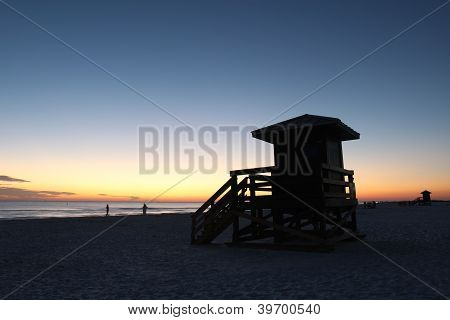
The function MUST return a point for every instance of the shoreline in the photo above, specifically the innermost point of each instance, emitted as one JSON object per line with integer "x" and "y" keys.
{"x": 97, "y": 217}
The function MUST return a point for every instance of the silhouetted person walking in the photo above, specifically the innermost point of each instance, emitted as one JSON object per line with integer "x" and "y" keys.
{"x": 144, "y": 209}
{"x": 107, "y": 210}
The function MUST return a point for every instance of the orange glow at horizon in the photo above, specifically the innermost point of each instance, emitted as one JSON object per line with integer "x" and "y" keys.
{"x": 118, "y": 179}
{"x": 199, "y": 187}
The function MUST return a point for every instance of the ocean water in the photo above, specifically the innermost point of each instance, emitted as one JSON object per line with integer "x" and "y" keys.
{"x": 49, "y": 209}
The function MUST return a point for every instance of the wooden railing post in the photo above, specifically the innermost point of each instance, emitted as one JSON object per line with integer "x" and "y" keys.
{"x": 352, "y": 186}
{"x": 193, "y": 231}
{"x": 253, "y": 210}
{"x": 234, "y": 198}
{"x": 351, "y": 183}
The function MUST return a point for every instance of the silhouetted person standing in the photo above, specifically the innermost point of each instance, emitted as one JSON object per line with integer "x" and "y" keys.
{"x": 107, "y": 210}
{"x": 144, "y": 209}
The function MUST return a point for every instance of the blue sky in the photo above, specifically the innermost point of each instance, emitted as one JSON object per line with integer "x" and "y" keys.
{"x": 223, "y": 62}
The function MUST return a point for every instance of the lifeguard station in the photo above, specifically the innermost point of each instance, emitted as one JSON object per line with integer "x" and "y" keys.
{"x": 425, "y": 200}
{"x": 307, "y": 199}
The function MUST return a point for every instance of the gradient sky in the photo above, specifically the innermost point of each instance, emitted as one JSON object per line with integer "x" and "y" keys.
{"x": 66, "y": 126}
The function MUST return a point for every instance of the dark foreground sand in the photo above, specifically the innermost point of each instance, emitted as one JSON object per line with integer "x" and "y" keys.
{"x": 151, "y": 258}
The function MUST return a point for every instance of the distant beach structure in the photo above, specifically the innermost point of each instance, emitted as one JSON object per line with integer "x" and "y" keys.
{"x": 369, "y": 205}
{"x": 426, "y": 198}
{"x": 307, "y": 199}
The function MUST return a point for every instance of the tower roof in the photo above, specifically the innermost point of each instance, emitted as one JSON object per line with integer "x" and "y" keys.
{"x": 343, "y": 131}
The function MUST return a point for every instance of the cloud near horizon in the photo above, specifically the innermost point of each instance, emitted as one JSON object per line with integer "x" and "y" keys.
{"x": 7, "y": 193}
{"x": 10, "y": 179}
{"x": 108, "y": 195}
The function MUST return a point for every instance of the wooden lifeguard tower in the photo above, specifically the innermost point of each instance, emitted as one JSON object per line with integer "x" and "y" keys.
{"x": 307, "y": 199}
{"x": 426, "y": 198}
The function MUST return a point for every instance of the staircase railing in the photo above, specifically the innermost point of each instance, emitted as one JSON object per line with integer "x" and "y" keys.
{"x": 347, "y": 182}
{"x": 198, "y": 217}
{"x": 215, "y": 214}
{"x": 252, "y": 195}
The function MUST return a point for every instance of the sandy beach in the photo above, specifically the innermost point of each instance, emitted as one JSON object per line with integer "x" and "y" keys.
{"x": 151, "y": 258}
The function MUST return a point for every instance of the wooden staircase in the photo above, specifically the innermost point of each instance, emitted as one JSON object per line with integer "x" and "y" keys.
{"x": 216, "y": 214}
{"x": 252, "y": 199}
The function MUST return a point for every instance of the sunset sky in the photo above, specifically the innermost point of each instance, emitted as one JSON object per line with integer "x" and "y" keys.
{"x": 69, "y": 130}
